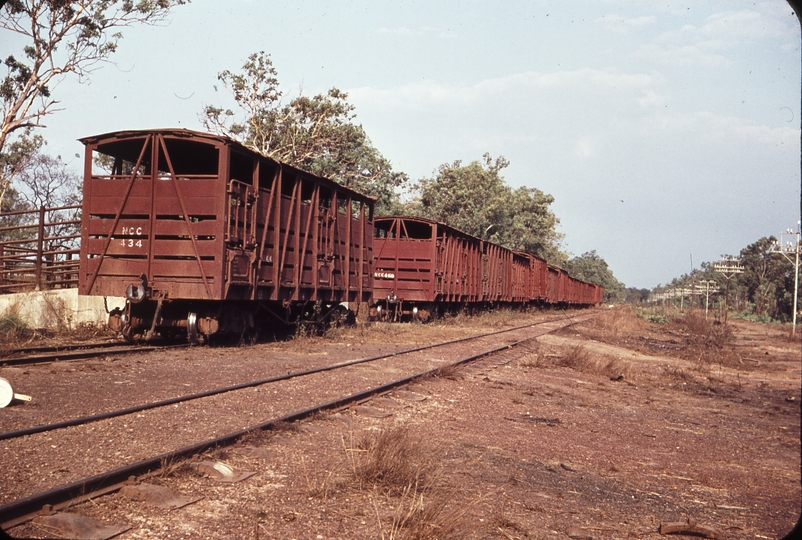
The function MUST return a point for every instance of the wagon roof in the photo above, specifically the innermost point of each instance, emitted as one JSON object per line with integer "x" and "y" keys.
{"x": 527, "y": 254}
{"x": 207, "y": 137}
{"x": 430, "y": 222}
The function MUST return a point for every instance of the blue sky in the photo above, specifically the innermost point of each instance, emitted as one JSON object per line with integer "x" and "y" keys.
{"x": 665, "y": 132}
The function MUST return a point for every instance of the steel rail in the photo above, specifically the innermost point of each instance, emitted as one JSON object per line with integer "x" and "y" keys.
{"x": 68, "y": 347}
{"x": 89, "y": 353}
{"x": 208, "y": 393}
{"x": 24, "y": 509}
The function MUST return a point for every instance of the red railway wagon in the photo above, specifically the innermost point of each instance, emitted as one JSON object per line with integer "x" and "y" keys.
{"x": 570, "y": 289}
{"x": 497, "y": 273}
{"x": 420, "y": 265}
{"x": 581, "y": 294}
{"x": 585, "y": 293}
{"x": 593, "y": 294}
{"x": 535, "y": 277}
{"x": 521, "y": 279}
{"x": 202, "y": 235}
{"x": 553, "y": 293}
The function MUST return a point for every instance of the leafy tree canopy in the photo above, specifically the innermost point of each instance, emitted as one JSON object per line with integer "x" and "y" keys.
{"x": 635, "y": 295}
{"x": 765, "y": 289}
{"x": 317, "y": 134}
{"x": 764, "y": 274}
{"x": 475, "y": 199}
{"x": 41, "y": 181}
{"x": 60, "y": 37}
{"x": 591, "y": 267}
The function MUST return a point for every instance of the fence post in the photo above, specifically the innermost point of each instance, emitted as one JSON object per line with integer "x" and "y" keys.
{"x": 40, "y": 248}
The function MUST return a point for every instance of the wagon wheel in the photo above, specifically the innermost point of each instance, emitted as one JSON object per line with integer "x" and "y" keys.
{"x": 127, "y": 329}
{"x": 340, "y": 316}
{"x": 310, "y": 320}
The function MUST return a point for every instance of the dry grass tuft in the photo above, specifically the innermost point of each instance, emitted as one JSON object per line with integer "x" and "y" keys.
{"x": 499, "y": 318}
{"x": 13, "y": 330}
{"x": 617, "y": 324}
{"x": 580, "y": 359}
{"x": 392, "y": 461}
{"x": 398, "y": 469}
{"x": 174, "y": 467}
{"x": 317, "y": 485}
{"x": 419, "y": 516}
{"x": 530, "y": 361}
{"x": 677, "y": 374}
{"x": 707, "y": 341}
{"x": 702, "y": 330}
{"x": 450, "y": 372}
{"x": 86, "y": 331}
{"x": 695, "y": 324}
{"x": 577, "y": 358}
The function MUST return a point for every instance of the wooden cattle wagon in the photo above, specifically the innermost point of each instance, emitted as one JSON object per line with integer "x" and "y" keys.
{"x": 202, "y": 234}
{"x": 420, "y": 265}
{"x": 535, "y": 277}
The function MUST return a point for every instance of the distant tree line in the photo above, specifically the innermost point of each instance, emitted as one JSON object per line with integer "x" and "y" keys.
{"x": 764, "y": 291}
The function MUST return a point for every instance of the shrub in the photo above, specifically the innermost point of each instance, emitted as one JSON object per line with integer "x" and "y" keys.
{"x": 13, "y": 327}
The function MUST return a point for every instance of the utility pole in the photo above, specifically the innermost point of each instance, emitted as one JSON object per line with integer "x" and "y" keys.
{"x": 785, "y": 246}
{"x": 704, "y": 286}
{"x": 728, "y": 267}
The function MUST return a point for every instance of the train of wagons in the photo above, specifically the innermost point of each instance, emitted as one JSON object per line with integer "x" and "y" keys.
{"x": 204, "y": 236}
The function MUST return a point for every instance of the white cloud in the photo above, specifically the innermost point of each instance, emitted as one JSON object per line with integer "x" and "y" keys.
{"x": 650, "y": 99}
{"x": 702, "y": 54}
{"x": 489, "y": 91}
{"x": 741, "y": 25}
{"x": 712, "y": 43}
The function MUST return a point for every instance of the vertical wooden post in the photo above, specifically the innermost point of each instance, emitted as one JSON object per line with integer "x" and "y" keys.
{"x": 40, "y": 248}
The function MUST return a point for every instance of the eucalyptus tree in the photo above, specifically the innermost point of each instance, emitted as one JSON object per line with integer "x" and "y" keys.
{"x": 474, "y": 198}
{"x": 591, "y": 267}
{"x": 57, "y": 38}
{"x": 318, "y": 134}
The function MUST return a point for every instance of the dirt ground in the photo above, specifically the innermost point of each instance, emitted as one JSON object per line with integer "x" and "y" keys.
{"x": 604, "y": 430}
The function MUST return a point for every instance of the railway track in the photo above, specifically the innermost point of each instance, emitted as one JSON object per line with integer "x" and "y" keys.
{"x": 293, "y": 399}
{"x": 44, "y": 428}
{"x": 65, "y": 347}
{"x": 40, "y": 355}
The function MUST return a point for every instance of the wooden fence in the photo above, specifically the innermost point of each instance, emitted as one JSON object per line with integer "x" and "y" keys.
{"x": 40, "y": 249}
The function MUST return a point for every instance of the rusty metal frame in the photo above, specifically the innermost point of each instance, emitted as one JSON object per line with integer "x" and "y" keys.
{"x": 26, "y": 264}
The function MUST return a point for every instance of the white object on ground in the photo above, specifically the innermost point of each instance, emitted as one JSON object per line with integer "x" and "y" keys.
{"x": 7, "y": 394}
